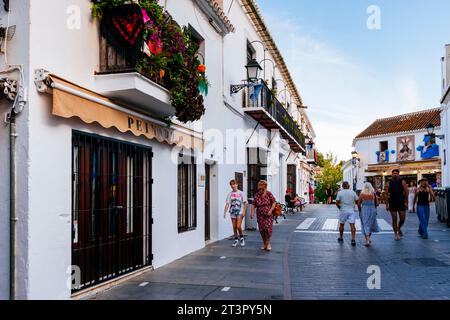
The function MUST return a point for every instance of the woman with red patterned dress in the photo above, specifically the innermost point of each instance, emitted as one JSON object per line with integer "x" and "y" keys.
{"x": 264, "y": 202}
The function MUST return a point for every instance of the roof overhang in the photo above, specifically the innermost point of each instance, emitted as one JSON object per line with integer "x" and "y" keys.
{"x": 217, "y": 18}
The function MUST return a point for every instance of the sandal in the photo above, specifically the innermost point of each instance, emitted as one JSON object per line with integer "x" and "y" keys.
{"x": 263, "y": 248}
{"x": 269, "y": 249}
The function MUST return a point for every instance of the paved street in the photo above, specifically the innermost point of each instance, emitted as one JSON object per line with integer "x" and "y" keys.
{"x": 306, "y": 263}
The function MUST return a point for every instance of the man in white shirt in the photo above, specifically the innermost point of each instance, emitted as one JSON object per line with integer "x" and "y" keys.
{"x": 345, "y": 201}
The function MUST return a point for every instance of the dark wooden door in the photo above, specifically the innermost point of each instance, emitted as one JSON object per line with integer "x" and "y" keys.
{"x": 292, "y": 177}
{"x": 207, "y": 202}
{"x": 111, "y": 205}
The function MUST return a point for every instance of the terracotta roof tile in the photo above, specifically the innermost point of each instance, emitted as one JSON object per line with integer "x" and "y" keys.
{"x": 403, "y": 123}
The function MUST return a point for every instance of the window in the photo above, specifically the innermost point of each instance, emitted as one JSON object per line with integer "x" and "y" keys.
{"x": 257, "y": 169}
{"x": 187, "y": 193}
{"x": 383, "y": 147}
{"x": 251, "y": 52}
{"x": 200, "y": 41}
{"x": 111, "y": 207}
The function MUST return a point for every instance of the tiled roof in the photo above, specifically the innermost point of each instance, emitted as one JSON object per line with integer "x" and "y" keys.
{"x": 221, "y": 15}
{"x": 403, "y": 123}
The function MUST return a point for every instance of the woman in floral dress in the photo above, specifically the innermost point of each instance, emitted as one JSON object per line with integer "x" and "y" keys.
{"x": 264, "y": 202}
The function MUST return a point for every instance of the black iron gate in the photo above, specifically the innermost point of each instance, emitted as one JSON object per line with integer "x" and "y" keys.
{"x": 111, "y": 208}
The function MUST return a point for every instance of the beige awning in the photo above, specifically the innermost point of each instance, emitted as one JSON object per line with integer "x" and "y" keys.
{"x": 70, "y": 100}
{"x": 432, "y": 164}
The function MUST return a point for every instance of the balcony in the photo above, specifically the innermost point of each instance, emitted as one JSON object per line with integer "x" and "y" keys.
{"x": 265, "y": 108}
{"x": 311, "y": 156}
{"x": 120, "y": 78}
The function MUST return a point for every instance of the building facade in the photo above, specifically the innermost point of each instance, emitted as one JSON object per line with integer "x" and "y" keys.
{"x": 401, "y": 142}
{"x": 445, "y": 116}
{"x": 108, "y": 176}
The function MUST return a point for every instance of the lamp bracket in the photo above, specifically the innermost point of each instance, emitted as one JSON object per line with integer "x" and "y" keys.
{"x": 235, "y": 88}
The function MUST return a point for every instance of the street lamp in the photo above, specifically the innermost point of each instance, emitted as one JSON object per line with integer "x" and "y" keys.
{"x": 253, "y": 69}
{"x": 430, "y": 130}
{"x": 355, "y": 162}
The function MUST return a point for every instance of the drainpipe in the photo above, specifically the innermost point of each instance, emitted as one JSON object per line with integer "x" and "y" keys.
{"x": 12, "y": 204}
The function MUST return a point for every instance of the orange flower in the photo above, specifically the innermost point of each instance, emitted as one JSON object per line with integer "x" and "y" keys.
{"x": 201, "y": 68}
{"x": 162, "y": 73}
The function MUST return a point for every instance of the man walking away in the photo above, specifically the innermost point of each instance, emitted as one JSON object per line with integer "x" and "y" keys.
{"x": 397, "y": 193}
{"x": 345, "y": 201}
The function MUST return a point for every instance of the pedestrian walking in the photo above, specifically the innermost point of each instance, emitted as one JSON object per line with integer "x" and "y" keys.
{"x": 412, "y": 191}
{"x": 345, "y": 201}
{"x": 311, "y": 194}
{"x": 397, "y": 193}
{"x": 422, "y": 197}
{"x": 329, "y": 194}
{"x": 367, "y": 204}
{"x": 264, "y": 203}
{"x": 236, "y": 205}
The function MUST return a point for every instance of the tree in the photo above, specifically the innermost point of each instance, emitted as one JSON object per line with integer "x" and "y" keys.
{"x": 331, "y": 175}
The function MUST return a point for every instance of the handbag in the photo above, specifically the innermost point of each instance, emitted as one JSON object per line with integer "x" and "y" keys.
{"x": 277, "y": 210}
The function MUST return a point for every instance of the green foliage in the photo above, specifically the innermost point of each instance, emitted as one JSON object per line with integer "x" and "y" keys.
{"x": 331, "y": 175}
{"x": 175, "y": 65}
{"x": 320, "y": 159}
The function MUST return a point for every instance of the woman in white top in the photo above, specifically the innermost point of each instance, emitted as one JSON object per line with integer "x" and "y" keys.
{"x": 412, "y": 191}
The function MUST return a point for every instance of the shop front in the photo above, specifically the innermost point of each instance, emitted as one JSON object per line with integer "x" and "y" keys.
{"x": 112, "y": 188}
{"x": 411, "y": 172}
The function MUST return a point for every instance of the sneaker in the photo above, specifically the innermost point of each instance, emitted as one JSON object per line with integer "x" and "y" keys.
{"x": 235, "y": 243}
{"x": 353, "y": 243}
{"x": 242, "y": 242}
{"x": 340, "y": 240}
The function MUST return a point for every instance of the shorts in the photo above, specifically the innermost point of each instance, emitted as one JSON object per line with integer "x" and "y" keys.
{"x": 238, "y": 216}
{"x": 397, "y": 206}
{"x": 347, "y": 216}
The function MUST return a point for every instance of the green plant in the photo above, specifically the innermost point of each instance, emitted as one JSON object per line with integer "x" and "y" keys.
{"x": 172, "y": 60}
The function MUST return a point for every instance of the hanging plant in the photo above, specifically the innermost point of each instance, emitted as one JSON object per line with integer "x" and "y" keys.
{"x": 163, "y": 51}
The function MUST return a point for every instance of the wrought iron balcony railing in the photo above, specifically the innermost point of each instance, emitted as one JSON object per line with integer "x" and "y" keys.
{"x": 260, "y": 96}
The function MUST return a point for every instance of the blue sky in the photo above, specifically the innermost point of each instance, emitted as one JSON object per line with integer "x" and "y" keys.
{"x": 349, "y": 75}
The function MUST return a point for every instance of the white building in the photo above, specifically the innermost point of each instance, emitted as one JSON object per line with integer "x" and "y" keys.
{"x": 105, "y": 179}
{"x": 445, "y": 116}
{"x": 349, "y": 169}
{"x": 401, "y": 142}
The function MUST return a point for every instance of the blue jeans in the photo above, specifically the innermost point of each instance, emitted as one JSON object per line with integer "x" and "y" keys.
{"x": 423, "y": 213}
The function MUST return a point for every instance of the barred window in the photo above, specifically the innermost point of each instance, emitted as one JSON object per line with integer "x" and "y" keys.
{"x": 187, "y": 193}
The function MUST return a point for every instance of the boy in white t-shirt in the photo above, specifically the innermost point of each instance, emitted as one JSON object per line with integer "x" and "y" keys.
{"x": 236, "y": 205}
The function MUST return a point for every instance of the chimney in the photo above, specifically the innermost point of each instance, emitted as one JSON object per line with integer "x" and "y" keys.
{"x": 447, "y": 67}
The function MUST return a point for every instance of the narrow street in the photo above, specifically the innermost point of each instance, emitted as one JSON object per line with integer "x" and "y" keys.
{"x": 306, "y": 263}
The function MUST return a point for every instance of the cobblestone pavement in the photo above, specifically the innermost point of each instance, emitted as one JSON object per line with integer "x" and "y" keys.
{"x": 306, "y": 263}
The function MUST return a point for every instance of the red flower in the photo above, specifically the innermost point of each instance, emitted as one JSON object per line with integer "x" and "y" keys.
{"x": 201, "y": 68}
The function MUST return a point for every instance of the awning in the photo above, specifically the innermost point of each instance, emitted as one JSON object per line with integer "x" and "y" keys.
{"x": 70, "y": 100}
{"x": 434, "y": 164}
